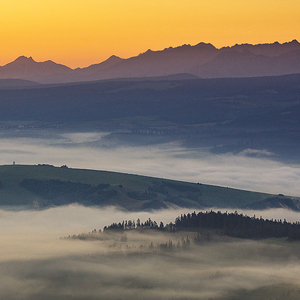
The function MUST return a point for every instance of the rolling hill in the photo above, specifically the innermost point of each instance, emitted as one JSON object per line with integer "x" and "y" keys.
{"x": 42, "y": 186}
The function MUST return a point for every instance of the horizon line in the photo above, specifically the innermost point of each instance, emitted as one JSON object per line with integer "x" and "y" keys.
{"x": 171, "y": 47}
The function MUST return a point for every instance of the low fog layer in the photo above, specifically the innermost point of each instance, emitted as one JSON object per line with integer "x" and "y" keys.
{"x": 36, "y": 264}
{"x": 90, "y": 151}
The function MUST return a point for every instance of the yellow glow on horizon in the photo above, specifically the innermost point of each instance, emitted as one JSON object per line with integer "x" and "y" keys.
{"x": 82, "y": 32}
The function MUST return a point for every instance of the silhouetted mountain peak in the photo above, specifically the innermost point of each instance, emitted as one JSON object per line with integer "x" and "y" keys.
{"x": 147, "y": 53}
{"x": 205, "y": 46}
{"x": 114, "y": 57}
{"x": 111, "y": 61}
{"x": 23, "y": 59}
{"x": 203, "y": 60}
{"x": 272, "y": 49}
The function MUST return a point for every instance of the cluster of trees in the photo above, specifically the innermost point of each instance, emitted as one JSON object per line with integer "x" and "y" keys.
{"x": 169, "y": 245}
{"x": 179, "y": 193}
{"x": 231, "y": 224}
{"x": 59, "y": 192}
{"x": 132, "y": 225}
{"x": 182, "y": 194}
{"x": 160, "y": 192}
{"x": 93, "y": 235}
{"x": 239, "y": 225}
{"x": 52, "y": 166}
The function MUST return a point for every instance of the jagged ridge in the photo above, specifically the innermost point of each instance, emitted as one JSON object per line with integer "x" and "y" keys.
{"x": 203, "y": 60}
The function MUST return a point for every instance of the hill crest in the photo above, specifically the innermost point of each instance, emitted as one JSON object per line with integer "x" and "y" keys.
{"x": 41, "y": 186}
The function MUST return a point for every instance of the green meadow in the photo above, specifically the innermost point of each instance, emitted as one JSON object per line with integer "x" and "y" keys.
{"x": 45, "y": 185}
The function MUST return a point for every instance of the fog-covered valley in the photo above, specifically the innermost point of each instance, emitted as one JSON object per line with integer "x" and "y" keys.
{"x": 250, "y": 170}
{"x": 36, "y": 263}
{"x": 167, "y": 173}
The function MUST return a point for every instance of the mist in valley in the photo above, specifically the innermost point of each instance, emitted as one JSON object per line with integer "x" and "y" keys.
{"x": 254, "y": 170}
{"x": 189, "y": 113}
{"x": 37, "y": 262}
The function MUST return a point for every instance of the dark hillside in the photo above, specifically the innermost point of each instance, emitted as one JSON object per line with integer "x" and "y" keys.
{"x": 44, "y": 186}
{"x": 224, "y": 114}
{"x": 169, "y": 100}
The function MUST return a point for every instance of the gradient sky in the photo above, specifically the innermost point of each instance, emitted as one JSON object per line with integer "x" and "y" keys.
{"x": 78, "y": 33}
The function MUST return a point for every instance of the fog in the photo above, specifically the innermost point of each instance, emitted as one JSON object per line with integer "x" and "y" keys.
{"x": 251, "y": 169}
{"x": 35, "y": 263}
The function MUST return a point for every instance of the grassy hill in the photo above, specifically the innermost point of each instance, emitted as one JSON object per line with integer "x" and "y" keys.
{"x": 44, "y": 185}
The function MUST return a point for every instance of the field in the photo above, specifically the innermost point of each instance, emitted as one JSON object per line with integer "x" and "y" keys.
{"x": 110, "y": 188}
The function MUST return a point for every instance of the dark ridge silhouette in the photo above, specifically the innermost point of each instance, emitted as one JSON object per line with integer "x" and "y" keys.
{"x": 17, "y": 83}
{"x": 203, "y": 60}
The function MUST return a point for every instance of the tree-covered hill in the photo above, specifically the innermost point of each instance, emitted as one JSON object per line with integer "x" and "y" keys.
{"x": 230, "y": 224}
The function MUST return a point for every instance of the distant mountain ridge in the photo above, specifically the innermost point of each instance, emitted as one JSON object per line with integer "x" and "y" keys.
{"x": 202, "y": 60}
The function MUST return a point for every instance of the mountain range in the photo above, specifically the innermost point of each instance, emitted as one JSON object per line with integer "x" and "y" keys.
{"x": 202, "y": 60}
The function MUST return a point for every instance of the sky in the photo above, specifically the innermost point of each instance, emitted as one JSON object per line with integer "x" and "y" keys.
{"x": 78, "y": 33}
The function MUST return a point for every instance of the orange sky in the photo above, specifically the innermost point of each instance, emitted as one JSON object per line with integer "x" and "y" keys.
{"x": 78, "y": 33}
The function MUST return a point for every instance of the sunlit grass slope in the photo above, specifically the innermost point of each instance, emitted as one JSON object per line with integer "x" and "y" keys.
{"x": 48, "y": 185}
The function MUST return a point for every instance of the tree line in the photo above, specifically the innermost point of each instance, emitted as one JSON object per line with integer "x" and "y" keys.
{"x": 59, "y": 192}
{"x": 230, "y": 224}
